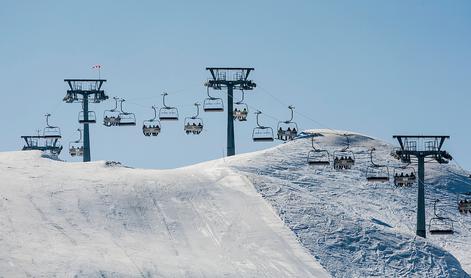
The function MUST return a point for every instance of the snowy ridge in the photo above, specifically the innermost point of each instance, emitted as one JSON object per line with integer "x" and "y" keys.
{"x": 103, "y": 220}
{"x": 356, "y": 229}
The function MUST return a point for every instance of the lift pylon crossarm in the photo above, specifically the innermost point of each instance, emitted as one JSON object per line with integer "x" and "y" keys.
{"x": 244, "y": 71}
{"x": 424, "y": 145}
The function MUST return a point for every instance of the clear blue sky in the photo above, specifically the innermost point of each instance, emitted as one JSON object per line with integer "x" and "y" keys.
{"x": 376, "y": 67}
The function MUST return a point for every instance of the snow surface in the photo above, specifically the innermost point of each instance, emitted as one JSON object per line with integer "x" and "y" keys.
{"x": 100, "y": 219}
{"x": 355, "y": 228}
{"x": 263, "y": 214}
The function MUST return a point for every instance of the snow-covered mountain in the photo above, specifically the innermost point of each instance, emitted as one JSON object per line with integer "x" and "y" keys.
{"x": 263, "y": 214}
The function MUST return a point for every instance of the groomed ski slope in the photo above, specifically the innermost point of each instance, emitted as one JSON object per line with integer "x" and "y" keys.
{"x": 354, "y": 228}
{"x": 100, "y": 219}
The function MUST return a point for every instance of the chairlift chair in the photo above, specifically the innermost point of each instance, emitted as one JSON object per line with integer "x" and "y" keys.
{"x": 51, "y": 132}
{"x": 287, "y": 130}
{"x": 262, "y": 133}
{"x": 194, "y": 124}
{"x": 344, "y": 159}
{"x": 464, "y": 203}
{"x": 126, "y": 118}
{"x": 91, "y": 119}
{"x": 151, "y": 127}
{"x": 213, "y": 104}
{"x": 241, "y": 110}
{"x": 440, "y": 225}
{"x": 167, "y": 113}
{"x": 76, "y": 147}
{"x": 317, "y": 156}
{"x": 404, "y": 176}
{"x": 376, "y": 172}
{"x": 111, "y": 117}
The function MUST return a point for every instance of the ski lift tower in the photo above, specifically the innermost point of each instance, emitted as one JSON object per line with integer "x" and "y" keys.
{"x": 421, "y": 146}
{"x": 85, "y": 91}
{"x": 230, "y": 78}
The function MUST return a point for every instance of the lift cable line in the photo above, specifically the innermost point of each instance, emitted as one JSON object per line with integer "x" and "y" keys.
{"x": 230, "y": 78}
{"x": 282, "y": 103}
{"x": 421, "y": 146}
{"x": 85, "y": 91}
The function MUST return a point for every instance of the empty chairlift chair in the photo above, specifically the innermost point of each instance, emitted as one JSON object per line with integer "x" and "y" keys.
{"x": 287, "y": 130}
{"x": 241, "y": 110}
{"x": 167, "y": 113}
{"x": 464, "y": 203}
{"x": 76, "y": 147}
{"x": 111, "y": 117}
{"x": 262, "y": 133}
{"x": 404, "y": 176}
{"x": 126, "y": 118}
{"x": 90, "y": 118}
{"x": 194, "y": 124}
{"x": 51, "y": 132}
{"x": 440, "y": 225}
{"x": 318, "y": 157}
{"x": 213, "y": 104}
{"x": 376, "y": 172}
{"x": 151, "y": 127}
{"x": 344, "y": 159}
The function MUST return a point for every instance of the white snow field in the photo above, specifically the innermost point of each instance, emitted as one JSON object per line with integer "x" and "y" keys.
{"x": 262, "y": 214}
{"x": 100, "y": 219}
